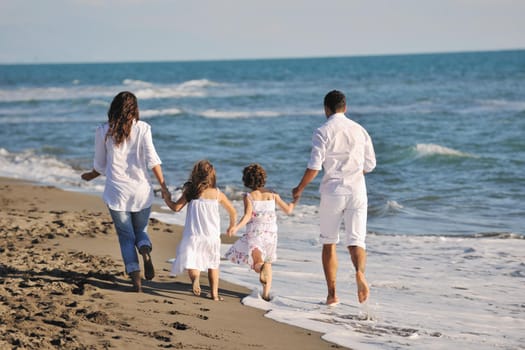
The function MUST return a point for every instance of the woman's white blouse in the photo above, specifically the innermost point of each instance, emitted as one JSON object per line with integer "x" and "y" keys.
{"x": 126, "y": 166}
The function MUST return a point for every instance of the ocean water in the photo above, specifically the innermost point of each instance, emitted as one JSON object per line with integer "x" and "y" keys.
{"x": 446, "y": 215}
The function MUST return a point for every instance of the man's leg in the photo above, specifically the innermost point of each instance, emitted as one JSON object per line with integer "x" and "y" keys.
{"x": 358, "y": 256}
{"x": 330, "y": 272}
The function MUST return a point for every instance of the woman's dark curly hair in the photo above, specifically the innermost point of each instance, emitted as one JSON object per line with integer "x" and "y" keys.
{"x": 202, "y": 177}
{"x": 254, "y": 176}
{"x": 123, "y": 111}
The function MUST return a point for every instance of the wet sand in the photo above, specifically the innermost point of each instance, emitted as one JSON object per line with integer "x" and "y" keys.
{"x": 62, "y": 285}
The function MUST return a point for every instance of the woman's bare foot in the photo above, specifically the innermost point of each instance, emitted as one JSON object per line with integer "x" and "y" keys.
{"x": 149, "y": 271}
{"x": 136, "y": 280}
{"x": 362, "y": 287}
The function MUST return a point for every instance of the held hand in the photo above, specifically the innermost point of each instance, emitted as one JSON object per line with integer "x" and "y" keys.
{"x": 231, "y": 231}
{"x": 296, "y": 194}
{"x": 166, "y": 195}
{"x": 167, "y": 200}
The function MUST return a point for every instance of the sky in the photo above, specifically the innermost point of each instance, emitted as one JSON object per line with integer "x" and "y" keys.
{"x": 64, "y": 31}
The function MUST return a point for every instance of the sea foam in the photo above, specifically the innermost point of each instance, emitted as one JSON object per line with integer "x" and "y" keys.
{"x": 430, "y": 149}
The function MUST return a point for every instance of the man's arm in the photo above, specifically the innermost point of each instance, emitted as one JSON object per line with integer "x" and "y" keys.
{"x": 308, "y": 176}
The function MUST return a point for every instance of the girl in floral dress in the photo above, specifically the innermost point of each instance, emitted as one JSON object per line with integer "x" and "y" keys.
{"x": 257, "y": 247}
{"x": 199, "y": 248}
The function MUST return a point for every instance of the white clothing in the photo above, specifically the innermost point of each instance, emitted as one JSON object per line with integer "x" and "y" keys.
{"x": 200, "y": 246}
{"x": 128, "y": 186}
{"x": 344, "y": 150}
{"x": 333, "y": 209}
{"x": 261, "y": 234}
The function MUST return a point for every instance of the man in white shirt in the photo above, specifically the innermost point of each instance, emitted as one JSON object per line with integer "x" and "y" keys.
{"x": 344, "y": 150}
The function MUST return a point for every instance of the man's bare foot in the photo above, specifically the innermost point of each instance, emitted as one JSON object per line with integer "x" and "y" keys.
{"x": 332, "y": 300}
{"x": 196, "y": 287}
{"x": 362, "y": 287}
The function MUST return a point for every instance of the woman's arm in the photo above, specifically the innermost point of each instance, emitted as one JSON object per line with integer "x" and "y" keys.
{"x": 157, "y": 171}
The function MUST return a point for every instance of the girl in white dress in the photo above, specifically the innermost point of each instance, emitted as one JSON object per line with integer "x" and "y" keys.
{"x": 199, "y": 249}
{"x": 257, "y": 247}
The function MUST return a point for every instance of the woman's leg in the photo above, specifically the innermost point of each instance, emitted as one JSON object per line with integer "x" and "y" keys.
{"x": 126, "y": 237}
{"x": 140, "y": 220}
{"x": 140, "y": 224}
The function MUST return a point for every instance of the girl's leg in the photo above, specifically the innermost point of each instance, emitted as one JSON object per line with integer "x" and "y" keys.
{"x": 126, "y": 237}
{"x": 257, "y": 260}
{"x": 265, "y": 272}
{"x": 266, "y": 275}
{"x": 195, "y": 281}
{"x": 213, "y": 279}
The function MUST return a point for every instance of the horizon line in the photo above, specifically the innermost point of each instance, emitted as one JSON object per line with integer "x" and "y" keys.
{"x": 423, "y": 53}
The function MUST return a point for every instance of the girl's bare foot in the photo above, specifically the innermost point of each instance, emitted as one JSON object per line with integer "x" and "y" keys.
{"x": 263, "y": 274}
{"x": 196, "y": 287}
{"x": 215, "y": 297}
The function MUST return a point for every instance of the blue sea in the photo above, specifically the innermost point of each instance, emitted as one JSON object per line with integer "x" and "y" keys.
{"x": 448, "y": 131}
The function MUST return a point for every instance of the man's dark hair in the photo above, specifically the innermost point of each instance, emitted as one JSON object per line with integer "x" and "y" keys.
{"x": 335, "y": 101}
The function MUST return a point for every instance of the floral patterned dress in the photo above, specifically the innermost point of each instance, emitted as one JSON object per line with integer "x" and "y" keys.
{"x": 261, "y": 233}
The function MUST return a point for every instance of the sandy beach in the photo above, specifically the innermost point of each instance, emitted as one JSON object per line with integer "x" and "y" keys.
{"x": 62, "y": 285}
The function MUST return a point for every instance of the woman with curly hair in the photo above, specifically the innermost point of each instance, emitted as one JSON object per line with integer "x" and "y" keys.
{"x": 257, "y": 247}
{"x": 200, "y": 246}
{"x": 124, "y": 152}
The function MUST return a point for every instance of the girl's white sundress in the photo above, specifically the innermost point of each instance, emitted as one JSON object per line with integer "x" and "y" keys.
{"x": 200, "y": 246}
{"x": 261, "y": 233}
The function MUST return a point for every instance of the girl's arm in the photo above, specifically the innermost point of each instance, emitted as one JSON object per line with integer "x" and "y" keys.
{"x": 248, "y": 208}
{"x": 175, "y": 206}
{"x": 287, "y": 208}
{"x": 225, "y": 202}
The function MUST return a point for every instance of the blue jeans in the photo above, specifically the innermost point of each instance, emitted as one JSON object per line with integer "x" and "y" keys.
{"x": 131, "y": 230}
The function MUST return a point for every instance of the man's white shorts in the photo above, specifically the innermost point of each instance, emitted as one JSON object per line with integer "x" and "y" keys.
{"x": 335, "y": 209}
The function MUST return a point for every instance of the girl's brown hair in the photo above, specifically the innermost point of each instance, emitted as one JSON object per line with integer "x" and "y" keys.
{"x": 124, "y": 110}
{"x": 202, "y": 177}
{"x": 254, "y": 176}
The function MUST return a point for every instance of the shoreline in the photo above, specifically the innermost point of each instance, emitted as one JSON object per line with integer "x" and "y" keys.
{"x": 63, "y": 285}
